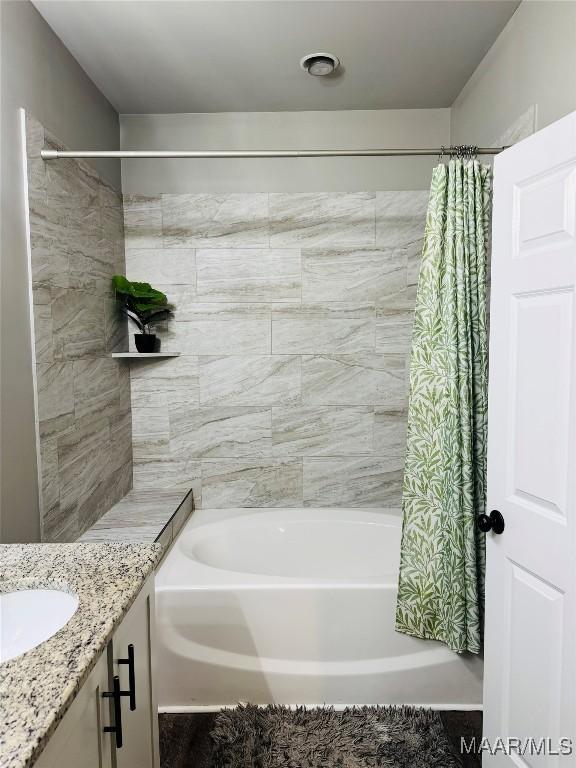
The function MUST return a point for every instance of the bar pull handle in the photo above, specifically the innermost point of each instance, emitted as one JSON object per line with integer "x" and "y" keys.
{"x": 115, "y": 694}
{"x": 131, "y": 677}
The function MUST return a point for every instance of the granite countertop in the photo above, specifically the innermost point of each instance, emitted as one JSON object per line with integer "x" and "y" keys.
{"x": 37, "y": 687}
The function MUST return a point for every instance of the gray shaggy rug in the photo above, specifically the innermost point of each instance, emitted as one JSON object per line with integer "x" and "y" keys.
{"x": 358, "y": 737}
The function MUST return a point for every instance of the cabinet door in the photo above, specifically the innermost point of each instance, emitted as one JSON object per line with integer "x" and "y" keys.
{"x": 139, "y": 725}
{"x": 79, "y": 739}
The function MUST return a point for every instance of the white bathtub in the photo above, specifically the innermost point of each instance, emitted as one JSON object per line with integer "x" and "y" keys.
{"x": 295, "y": 606}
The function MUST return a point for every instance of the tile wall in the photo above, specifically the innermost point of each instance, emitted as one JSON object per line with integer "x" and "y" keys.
{"x": 293, "y": 320}
{"x": 83, "y": 395}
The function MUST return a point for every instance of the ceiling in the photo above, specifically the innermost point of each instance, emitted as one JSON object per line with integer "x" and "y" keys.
{"x": 157, "y": 56}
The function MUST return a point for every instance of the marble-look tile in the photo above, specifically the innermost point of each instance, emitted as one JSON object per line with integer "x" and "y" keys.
{"x": 218, "y": 337}
{"x": 94, "y": 502}
{"x": 108, "y": 196}
{"x": 352, "y": 482}
{"x": 250, "y": 380}
{"x": 323, "y": 328}
{"x": 175, "y": 378}
{"x": 220, "y": 432}
{"x": 143, "y": 221}
{"x": 183, "y": 300}
{"x": 90, "y": 264}
{"x": 352, "y": 274}
{"x": 201, "y": 311}
{"x": 59, "y": 525}
{"x": 135, "y": 533}
{"x": 124, "y": 390}
{"x": 400, "y": 217}
{"x": 150, "y": 430}
{"x": 76, "y": 238}
{"x": 215, "y": 220}
{"x": 72, "y": 187}
{"x": 78, "y": 323}
{"x": 361, "y": 379}
{"x": 152, "y": 507}
{"x": 183, "y": 513}
{"x": 50, "y": 479}
{"x": 322, "y": 431}
{"x": 112, "y": 218}
{"x": 170, "y": 473}
{"x": 95, "y": 387}
{"x": 84, "y": 460}
{"x": 47, "y": 233}
{"x": 36, "y": 167}
{"x": 121, "y": 440}
{"x": 115, "y": 327}
{"x": 311, "y": 219}
{"x": 414, "y": 259}
{"x": 258, "y": 483}
{"x": 390, "y": 433}
{"x": 161, "y": 266}
{"x": 393, "y": 331}
{"x": 248, "y": 274}
{"x": 43, "y": 333}
{"x": 55, "y": 385}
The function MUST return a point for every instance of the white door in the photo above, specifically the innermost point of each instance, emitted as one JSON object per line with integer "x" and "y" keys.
{"x": 530, "y": 642}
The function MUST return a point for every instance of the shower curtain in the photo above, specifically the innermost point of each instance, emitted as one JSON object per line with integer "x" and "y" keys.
{"x": 441, "y": 580}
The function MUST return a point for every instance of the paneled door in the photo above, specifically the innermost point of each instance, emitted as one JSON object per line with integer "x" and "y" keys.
{"x": 530, "y": 641}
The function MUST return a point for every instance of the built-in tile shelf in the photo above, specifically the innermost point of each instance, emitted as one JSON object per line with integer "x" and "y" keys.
{"x": 145, "y": 354}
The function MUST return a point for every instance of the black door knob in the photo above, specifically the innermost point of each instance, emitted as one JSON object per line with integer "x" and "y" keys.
{"x": 492, "y": 522}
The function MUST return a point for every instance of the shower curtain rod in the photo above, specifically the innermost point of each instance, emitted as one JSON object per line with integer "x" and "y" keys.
{"x": 56, "y": 154}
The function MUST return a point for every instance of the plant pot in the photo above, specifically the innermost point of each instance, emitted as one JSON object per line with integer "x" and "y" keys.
{"x": 147, "y": 342}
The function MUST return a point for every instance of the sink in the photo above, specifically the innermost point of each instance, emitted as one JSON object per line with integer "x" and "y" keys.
{"x": 29, "y": 617}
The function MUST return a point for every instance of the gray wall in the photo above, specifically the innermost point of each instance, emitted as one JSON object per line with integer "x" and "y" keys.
{"x": 293, "y": 320}
{"x": 38, "y": 73}
{"x": 282, "y": 130}
{"x": 530, "y": 67}
{"x": 84, "y": 420}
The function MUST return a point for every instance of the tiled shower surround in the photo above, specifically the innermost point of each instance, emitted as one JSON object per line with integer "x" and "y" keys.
{"x": 293, "y": 320}
{"x": 76, "y": 237}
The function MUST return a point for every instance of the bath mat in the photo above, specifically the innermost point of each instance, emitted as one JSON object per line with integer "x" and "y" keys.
{"x": 358, "y": 737}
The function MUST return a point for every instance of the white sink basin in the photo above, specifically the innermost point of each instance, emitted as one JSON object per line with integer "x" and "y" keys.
{"x": 28, "y": 617}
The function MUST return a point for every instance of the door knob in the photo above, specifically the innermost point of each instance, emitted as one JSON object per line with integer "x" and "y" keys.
{"x": 492, "y": 522}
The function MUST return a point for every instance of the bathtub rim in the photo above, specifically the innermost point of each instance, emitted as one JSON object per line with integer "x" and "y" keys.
{"x": 180, "y": 572}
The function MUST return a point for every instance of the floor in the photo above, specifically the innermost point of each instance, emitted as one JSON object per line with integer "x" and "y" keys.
{"x": 185, "y": 739}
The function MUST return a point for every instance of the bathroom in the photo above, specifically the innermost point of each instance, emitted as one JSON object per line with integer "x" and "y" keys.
{"x": 242, "y": 541}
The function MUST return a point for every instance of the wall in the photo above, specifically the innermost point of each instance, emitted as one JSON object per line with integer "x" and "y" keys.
{"x": 38, "y": 73}
{"x": 293, "y": 319}
{"x": 530, "y": 67}
{"x": 282, "y": 130}
{"x": 84, "y": 421}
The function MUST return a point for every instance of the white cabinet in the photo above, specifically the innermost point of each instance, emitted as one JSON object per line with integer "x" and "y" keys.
{"x": 131, "y": 657}
{"x": 82, "y": 738}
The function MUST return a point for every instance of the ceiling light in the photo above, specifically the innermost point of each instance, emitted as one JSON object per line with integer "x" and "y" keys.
{"x": 320, "y": 64}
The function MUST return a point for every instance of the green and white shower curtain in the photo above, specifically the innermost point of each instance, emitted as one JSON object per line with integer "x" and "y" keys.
{"x": 441, "y": 581}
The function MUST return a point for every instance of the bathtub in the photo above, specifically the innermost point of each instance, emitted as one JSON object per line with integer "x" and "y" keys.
{"x": 294, "y": 606}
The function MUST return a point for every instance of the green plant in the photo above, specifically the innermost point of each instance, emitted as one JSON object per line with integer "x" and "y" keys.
{"x": 140, "y": 302}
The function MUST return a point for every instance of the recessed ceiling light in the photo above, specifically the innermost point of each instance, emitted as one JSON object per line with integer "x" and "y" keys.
{"x": 320, "y": 64}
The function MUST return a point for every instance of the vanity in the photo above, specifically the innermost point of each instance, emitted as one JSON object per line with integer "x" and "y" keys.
{"x": 85, "y": 696}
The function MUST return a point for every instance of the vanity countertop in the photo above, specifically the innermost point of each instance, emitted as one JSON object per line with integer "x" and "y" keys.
{"x": 37, "y": 687}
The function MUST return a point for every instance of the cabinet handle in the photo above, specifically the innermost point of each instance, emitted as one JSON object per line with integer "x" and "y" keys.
{"x": 115, "y": 694}
{"x": 131, "y": 677}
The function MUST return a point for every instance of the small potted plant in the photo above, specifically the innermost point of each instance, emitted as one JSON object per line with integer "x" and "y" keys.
{"x": 143, "y": 305}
